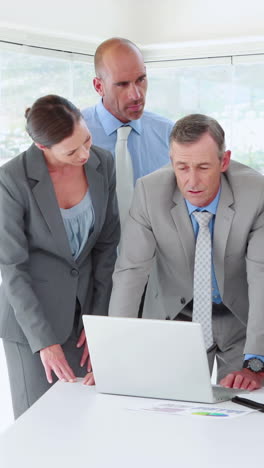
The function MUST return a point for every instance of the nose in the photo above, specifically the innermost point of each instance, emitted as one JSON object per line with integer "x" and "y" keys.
{"x": 134, "y": 92}
{"x": 193, "y": 179}
{"x": 84, "y": 154}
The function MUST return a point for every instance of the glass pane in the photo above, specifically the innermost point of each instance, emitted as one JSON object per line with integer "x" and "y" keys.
{"x": 185, "y": 90}
{"x": 233, "y": 94}
{"x": 248, "y": 115}
{"x": 83, "y": 93}
{"x": 24, "y": 78}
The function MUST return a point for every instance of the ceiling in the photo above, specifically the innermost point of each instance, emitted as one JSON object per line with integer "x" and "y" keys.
{"x": 151, "y": 24}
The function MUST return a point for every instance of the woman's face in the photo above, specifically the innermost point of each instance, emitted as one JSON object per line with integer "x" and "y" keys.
{"x": 73, "y": 150}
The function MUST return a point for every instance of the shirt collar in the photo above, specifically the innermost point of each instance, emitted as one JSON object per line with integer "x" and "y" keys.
{"x": 211, "y": 208}
{"x": 110, "y": 123}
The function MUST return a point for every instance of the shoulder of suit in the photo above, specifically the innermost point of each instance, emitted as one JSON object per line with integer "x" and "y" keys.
{"x": 16, "y": 164}
{"x": 161, "y": 177}
{"x": 101, "y": 159}
{"x": 238, "y": 174}
{"x": 101, "y": 153}
{"x": 158, "y": 188}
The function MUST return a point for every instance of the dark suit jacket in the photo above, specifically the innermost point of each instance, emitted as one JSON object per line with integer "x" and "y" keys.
{"x": 40, "y": 278}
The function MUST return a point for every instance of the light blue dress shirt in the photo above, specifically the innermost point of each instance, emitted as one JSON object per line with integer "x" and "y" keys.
{"x": 212, "y": 208}
{"x": 148, "y": 141}
{"x": 249, "y": 356}
{"x": 78, "y": 222}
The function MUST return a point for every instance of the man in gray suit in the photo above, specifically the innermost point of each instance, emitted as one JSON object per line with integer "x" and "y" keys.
{"x": 158, "y": 246}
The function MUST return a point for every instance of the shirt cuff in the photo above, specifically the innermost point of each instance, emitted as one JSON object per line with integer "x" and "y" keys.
{"x": 250, "y": 356}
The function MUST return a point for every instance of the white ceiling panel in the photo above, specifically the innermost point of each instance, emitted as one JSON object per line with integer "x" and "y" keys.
{"x": 147, "y": 22}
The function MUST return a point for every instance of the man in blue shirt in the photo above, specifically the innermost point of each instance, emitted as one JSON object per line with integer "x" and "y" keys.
{"x": 121, "y": 82}
{"x": 159, "y": 247}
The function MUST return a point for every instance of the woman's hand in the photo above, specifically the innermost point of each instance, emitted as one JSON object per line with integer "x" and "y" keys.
{"x": 85, "y": 355}
{"x": 53, "y": 359}
{"x": 89, "y": 379}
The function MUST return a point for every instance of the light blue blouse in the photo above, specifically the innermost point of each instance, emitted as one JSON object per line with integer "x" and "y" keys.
{"x": 79, "y": 223}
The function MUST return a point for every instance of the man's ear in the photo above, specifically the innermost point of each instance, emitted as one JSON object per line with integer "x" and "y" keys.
{"x": 98, "y": 86}
{"x": 225, "y": 161}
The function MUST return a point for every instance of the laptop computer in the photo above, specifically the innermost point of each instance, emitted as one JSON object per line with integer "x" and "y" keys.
{"x": 151, "y": 358}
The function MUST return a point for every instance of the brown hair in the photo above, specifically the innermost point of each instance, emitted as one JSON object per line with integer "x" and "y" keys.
{"x": 189, "y": 129}
{"x": 51, "y": 119}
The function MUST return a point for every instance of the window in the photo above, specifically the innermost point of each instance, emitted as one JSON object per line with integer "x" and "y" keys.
{"x": 26, "y": 74}
{"x": 231, "y": 91}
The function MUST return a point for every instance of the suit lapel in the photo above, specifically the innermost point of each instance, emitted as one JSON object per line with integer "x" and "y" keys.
{"x": 223, "y": 223}
{"x": 184, "y": 228}
{"x": 97, "y": 192}
{"x": 45, "y": 197}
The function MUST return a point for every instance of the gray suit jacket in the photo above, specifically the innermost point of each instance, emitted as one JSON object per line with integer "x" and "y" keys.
{"x": 158, "y": 244}
{"x": 40, "y": 278}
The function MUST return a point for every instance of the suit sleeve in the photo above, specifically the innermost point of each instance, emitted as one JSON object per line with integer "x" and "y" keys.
{"x": 255, "y": 276}
{"x": 138, "y": 246}
{"x": 105, "y": 250}
{"x": 14, "y": 264}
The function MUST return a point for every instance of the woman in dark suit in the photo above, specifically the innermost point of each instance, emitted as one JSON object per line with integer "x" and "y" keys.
{"x": 59, "y": 232}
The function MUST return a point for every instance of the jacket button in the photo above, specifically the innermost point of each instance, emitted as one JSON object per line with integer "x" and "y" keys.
{"x": 167, "y": 318}
{"x": 74, "y": 272}
{"x": 183, "y": 300}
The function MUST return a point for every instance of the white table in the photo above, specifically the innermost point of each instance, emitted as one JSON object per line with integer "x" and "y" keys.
{"x": 73, "y": 426}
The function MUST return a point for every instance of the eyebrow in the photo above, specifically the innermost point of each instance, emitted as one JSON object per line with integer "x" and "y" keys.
{"x": 181, "y": 163}
{"x": 73, "y": 150}
{"x": 118, "y": 83}
{"x": 185, "y": 163}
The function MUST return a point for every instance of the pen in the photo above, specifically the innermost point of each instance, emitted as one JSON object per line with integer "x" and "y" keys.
{"x": 249, "y": 403}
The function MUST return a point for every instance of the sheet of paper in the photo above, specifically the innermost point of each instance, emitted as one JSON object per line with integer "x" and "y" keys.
{"x": 192, "y": 409}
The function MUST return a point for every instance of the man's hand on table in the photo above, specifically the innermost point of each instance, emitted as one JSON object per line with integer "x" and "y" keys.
{"x": 244, "y": 379}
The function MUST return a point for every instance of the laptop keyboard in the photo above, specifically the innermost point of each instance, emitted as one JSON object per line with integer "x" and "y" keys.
{"x": 222, "y": 393}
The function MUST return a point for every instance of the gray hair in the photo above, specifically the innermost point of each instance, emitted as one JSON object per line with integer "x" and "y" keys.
{"x": 191, "y": 128}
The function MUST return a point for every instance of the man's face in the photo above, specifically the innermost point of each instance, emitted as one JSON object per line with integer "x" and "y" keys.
{"x": 198, "y": 169}
{"x": 123, "y": 83}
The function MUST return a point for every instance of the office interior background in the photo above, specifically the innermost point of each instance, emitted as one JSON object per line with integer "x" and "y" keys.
{"x": 201, "y": 56}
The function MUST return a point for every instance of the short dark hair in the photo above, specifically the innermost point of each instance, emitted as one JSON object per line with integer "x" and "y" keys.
{"x": 191, "y": 128}
{"x": 51, "y": 119}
